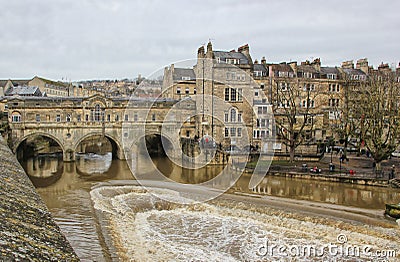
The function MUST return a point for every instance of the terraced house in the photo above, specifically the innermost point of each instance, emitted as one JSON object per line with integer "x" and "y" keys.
{"x": 309, "y": 101}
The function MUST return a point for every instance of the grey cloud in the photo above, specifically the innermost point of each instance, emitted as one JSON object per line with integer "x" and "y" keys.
{"x": 121, "y": 38}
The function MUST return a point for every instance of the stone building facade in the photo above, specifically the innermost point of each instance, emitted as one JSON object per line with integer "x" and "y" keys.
{"x": 68, "y": 121}
{"x": 234, "y": 98}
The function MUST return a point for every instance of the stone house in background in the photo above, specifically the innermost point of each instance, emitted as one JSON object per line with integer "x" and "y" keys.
{"x": 179, "y": 83}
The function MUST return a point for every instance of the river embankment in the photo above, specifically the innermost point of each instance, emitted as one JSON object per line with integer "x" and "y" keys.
{"x": 27, "y": 229}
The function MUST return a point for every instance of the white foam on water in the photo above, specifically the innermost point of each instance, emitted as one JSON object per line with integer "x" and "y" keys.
{"x": 149, "y": 228}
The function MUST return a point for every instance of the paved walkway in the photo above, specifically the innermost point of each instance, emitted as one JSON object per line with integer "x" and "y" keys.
{"x": 362, "y": 165}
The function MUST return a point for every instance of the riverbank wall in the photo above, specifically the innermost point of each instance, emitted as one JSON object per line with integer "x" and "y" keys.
{"x": 27, "y": 230}
{"x": 340, "y": 178}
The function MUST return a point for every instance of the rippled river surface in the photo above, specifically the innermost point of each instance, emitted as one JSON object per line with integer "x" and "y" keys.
{"x": 107, "y": 215}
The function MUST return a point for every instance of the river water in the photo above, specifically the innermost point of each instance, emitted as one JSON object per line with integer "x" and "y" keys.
{"x": 106, "y": 215}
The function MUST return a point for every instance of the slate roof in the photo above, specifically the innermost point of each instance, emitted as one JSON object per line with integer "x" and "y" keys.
{"x": 282, "y": 67}
{"x": 223, "y": 55}
{"x": 260, "y": 67}
{"x": 180, "y": 73}
{"x": 3, "y": 83}
{"x": 307, "y": 68}
{"x": 329, "y": 70}
{"x": 353, "y": 71}
{"x": 23, "y": 91}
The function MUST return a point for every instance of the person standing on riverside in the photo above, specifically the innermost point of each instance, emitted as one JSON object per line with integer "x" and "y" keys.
{"x": 392, "y": 172}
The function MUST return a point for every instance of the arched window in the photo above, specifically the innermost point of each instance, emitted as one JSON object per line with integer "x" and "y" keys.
{"x": 16, "y": 117}
{"x": 233, "y": 115}
{"x": 97, "y": 113}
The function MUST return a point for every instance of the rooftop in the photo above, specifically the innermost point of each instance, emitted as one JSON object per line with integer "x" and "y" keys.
{"x": 183, "y": 74}
{"x": 224, "y": 55}
{"x": 23, "y": 91}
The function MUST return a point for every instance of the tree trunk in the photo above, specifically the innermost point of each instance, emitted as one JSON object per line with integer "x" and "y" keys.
{"x": 378, "y": 168}
{"x": 291, "y": 154}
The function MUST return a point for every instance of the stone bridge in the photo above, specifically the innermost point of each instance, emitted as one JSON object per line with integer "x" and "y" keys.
{"x": 69, "y": 121}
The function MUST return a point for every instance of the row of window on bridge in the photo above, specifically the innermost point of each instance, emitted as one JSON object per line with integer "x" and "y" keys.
{"x": 93, "y": 117}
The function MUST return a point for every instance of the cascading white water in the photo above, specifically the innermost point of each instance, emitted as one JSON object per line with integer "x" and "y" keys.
{"x": 146, "y": 228}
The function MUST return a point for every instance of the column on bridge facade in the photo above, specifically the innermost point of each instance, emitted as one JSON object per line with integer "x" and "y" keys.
{"x": 69, "y": 155}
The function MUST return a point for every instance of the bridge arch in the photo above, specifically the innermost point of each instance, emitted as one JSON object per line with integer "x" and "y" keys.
{"x": 117, "y": 149}
{"x": 142, "y": 154}
{"x": 36, "y": 134}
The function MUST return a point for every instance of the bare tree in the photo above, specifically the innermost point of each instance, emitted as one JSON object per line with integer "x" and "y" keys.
{"x": 379, "y": 107}
{"x": 345, "y": 121}
{"x": 293, "y": 110}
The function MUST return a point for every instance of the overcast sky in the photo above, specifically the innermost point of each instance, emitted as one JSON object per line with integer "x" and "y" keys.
{"x": 115, "y": 39}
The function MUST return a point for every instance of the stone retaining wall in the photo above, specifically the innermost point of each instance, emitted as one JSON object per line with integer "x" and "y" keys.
{"x": 345, "y": 178}
{"x": 27, "y": 230}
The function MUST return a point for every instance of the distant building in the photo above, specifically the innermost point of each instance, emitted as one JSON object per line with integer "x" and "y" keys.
{"x": 46, "y": 87}
{"x": 23, "y": 91}
{"x": 179, "y": 83}
{"x": 148, "y": 89}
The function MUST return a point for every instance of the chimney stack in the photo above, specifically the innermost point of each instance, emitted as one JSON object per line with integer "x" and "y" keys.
{"x": 200, "y": 52}
{"x": 244, "y": 49}
{"x": 348, "y": 64}
{"x": 263, "y": 60}
{"x": 362, "y": 64}
{"x": 209, "y": 53}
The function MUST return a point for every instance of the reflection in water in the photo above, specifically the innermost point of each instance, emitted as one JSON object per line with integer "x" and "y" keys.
{"x": 66, "y": 194}
{"x": 91, "y": 163}
{"x": 321, "y": 191}
{"x": 65, "y": 188}
{"x": 44, "y": 170}
{"x": 44, "y": 165}
{"x": 178, "y": 174}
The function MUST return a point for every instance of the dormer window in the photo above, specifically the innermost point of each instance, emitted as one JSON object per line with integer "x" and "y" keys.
{"x": 283, "y": 74}
{"x": 257, "y": 73}
{"x": 331, "y": 76}
{"x": 232, "y": 61}
{"x": 185, "y": 77}
{"x": 307, "y": 75}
